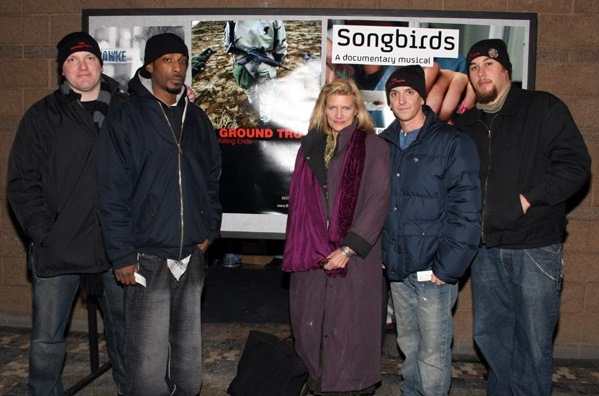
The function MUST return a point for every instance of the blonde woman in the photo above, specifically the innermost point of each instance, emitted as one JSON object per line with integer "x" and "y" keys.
{"x": 339, "y": 198}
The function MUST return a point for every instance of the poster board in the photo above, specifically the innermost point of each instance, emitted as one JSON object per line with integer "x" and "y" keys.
{"x": 259, "y": 133}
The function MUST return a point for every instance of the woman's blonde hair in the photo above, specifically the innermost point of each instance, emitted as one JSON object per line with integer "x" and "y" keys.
{"x": 318, "y": 120}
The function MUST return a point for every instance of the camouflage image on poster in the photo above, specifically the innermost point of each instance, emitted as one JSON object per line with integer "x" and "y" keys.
{"x": 257, "y": 79}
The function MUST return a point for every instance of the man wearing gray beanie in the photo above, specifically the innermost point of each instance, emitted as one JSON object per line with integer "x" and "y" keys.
{"x": 158, "y": 186}
{"x": 533, "y": 159}
{"x": 431, "y": 231}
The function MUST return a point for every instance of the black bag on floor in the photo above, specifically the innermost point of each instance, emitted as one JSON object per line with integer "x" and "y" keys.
{"x": 268, "y": 367}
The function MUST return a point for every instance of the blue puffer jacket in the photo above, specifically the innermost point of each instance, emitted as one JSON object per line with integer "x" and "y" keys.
{"x": 434, "y": 217}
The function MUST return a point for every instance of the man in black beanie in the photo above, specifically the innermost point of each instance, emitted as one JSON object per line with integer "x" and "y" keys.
{"x": 164, "y": 43}
{"x": 77, "y": 42}
{"x": 51, "y": 187}
{"x": 431, "y": 231}
{"x": 533, "y": 159}
{"x": 158, "y": 184}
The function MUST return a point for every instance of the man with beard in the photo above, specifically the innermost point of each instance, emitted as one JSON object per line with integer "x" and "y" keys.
{"x": 533, "y": 159}
{"x": 158, "y": 183}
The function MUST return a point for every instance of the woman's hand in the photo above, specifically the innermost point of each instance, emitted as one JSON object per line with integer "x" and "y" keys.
{"x": 336, "y": 260}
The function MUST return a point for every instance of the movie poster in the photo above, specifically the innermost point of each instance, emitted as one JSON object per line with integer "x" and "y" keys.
{"x": 258, "y": 79}
{"x": 258, "y": 122}
{"x": 368, "y": 51}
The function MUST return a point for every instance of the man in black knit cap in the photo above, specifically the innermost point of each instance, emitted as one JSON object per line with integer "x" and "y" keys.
{"x": 533, "y": 159}
{"x": 158, "y": 182}
{"x": 431, "y": 231}
{"x": 51, "y": 187}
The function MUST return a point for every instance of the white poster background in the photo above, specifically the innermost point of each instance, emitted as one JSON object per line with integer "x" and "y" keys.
{"x": 392, "y": 46}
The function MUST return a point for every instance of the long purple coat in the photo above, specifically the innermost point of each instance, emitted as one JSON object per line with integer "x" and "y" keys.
{"x": 337, "y": 321}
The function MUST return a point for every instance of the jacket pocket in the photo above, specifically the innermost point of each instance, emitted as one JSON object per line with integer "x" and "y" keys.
{"x": 198, "y": 220}
{"x": 421, "y": 241}
{"x": 46, "y": 262}
{"x": 148, "y": 211}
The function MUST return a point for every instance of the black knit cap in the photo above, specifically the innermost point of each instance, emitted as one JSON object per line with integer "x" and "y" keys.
{"x": 492, "y": 48}
{"x": 407, "y": 76}
{"x": 164, "y": 43}
{"x": 76, "y": 42}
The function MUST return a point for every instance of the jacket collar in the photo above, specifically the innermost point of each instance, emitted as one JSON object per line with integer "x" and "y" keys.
{"x": 313, "y": 145}
{"x": 142, "y": 86}
{"x": 391, "y": 134}
{"x": 509, "y": 109}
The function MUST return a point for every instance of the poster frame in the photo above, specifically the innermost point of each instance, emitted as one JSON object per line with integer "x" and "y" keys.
{"x": 272, "y": 226}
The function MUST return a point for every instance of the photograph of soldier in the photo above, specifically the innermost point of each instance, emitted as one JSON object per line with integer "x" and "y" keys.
{"x": 258, "y": 47}
{"x": 215, "y": 64}
{"x": 257, "y": 80}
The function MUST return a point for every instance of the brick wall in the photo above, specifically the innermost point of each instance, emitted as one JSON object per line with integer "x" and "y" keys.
{"x": 568, "y": 54}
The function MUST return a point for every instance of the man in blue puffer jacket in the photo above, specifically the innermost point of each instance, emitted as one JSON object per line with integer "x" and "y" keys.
{"x": 432, "y": 230}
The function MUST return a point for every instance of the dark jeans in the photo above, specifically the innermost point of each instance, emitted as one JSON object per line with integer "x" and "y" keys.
{"x": 163, "y": 351}
{"x": 52, "y": 305}
{"x": 516, "y": 300}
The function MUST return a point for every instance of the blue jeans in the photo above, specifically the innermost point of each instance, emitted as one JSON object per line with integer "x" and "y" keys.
{"x": 112, "y": 306}
{"x": 163, "y": 350}
{"x": 516, "y": 300}
{"x": 423, "y": 315}
{"x": 52, "y": 305}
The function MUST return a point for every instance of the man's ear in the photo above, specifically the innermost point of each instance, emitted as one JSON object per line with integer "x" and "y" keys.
{"x": 150, "y": 68}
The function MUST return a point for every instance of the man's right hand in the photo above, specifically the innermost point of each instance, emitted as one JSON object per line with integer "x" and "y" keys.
{"x": 126, "y": 275}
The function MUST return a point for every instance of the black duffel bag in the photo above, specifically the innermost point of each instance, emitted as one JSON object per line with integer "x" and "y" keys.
{"x": 268, "y": 367}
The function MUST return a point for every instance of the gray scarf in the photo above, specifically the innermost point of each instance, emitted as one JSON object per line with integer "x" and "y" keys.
{"x": 101, "y": 105}
{"x": 494, "y": 108}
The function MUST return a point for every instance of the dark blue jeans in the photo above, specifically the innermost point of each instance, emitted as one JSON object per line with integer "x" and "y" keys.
{"x": 423, "y": 316}
{"x": 52, "y": 305}
{"x": 516, "y": 300}
{"x": 163, "y": 351}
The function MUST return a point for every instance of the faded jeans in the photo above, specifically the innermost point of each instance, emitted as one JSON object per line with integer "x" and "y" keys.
{"x": 516, "y": 297}
{"x": 163, "y": 351}
{"x": 52, "y": 305}
{"x": 423, "y": 315}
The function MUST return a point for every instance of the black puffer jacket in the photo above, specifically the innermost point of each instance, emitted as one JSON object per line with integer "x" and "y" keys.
{"x": 531, "y": 147}
{"x": 156, "y": 197}
{"x": 51, "y": 184}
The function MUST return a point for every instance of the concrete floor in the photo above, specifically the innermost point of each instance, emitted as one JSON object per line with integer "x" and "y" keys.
{"x": 223, "y": 344}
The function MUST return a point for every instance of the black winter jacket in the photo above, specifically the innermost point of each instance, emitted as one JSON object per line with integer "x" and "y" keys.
{"x": 155, "y": 197}
{"x": 51, "y": 184}
{"x": 434, "y": 217}
{"x": 531, "y": 147}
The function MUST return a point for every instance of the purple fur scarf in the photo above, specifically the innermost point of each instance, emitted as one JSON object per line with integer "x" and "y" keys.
{"x": 308, "y": 241}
